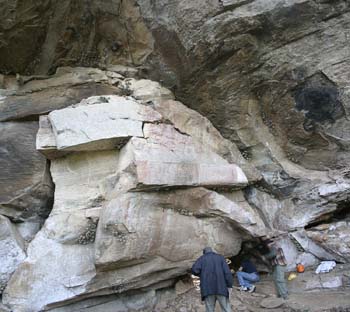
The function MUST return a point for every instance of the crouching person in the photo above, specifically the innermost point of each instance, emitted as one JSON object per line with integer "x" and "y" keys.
{"x": 215, "y": 280}
{"x": 247, "y": 275}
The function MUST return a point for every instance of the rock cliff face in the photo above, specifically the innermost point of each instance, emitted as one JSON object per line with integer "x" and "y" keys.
{"x": 112, "y": 183}
{"x": 137, "y": 196}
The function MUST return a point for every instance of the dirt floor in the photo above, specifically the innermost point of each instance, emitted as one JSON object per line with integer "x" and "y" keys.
{"x": 300, "y": 300}
{"x": 320, "y": 301}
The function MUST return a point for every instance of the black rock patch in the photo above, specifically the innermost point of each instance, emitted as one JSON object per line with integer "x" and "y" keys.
{"x": 320, "y": 103}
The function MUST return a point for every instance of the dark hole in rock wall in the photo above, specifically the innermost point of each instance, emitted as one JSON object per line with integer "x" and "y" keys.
{"x": 251, "y": 250}
{"x": 342, "y": 213}
{"x": 318, "y": 98}
{"x": 246, "y": 153}
{"x": 326, "y": 218}
{"x": 45, "y": 210}
{"x": 319, "y": 103}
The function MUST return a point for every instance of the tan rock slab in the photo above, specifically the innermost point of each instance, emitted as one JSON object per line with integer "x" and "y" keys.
{"x": 167, "y": 158}
{"x": 137, "y": 227}
{"x": 100, "y": 123}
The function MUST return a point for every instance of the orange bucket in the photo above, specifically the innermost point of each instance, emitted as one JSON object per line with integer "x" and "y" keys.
{"x": 300, "y": 268}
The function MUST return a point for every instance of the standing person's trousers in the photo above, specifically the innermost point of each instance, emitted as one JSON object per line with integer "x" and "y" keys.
{"x": 223, "y": 301}
{"x": 280, "y": 281}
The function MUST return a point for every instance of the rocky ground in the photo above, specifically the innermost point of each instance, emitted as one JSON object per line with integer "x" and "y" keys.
{"x": 318, "y": 299}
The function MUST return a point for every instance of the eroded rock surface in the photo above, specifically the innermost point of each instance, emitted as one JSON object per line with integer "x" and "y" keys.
{"x": 333, "y": 237}
{"x": 167, "y": 158}
{"x": 270, "y": 75}
{"x": 11, "y": 251}
{"x": 131, "y": 173}
{"x": 118, "y": 210}
{"x": 26, "y": 188}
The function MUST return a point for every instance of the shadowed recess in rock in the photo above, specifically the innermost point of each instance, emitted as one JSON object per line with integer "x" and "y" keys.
{"x": 319, "y": 103}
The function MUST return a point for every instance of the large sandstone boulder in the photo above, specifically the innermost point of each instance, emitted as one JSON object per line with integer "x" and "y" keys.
{"x": 101, "y": 123}
{"x": 139, "y": 226}
{"x": 187, "y": 121}
{"x": 111, "y": 229}
{"x": 61, "y": 254}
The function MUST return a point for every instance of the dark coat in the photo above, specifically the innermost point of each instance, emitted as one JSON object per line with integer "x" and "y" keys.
{"x": 214, "y": 273}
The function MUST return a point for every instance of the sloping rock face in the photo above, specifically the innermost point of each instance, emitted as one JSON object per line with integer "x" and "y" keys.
{"x": 270, "y": 75}
{"x": 26, "y": 188}
{"x": 333, "y": 237}
{"x": 71, "y": 33}
{"x": 137, "y": 197}
{"x": 26, "y": 97}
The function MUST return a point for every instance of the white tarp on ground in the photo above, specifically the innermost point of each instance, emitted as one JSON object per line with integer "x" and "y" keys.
{"x": 325, "y": 267}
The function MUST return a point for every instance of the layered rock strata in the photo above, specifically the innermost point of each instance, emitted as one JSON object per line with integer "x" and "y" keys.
{"x": 26, "y": 188}
{"x": 138, "y": 175}
{"x": 142, "y": 184}
{"x": 128, "y": 181}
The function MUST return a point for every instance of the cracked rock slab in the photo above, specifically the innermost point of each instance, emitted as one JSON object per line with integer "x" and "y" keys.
{"x": 316, "y": 249}
{"x": 168, "y": 158}
{"x": 334, "y": 237}
{"x": 98, "y": 123}
{"x": 137, "y": 227}
{"x": 192, "y": 123}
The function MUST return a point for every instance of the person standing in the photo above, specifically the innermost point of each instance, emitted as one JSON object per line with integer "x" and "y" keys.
{"x": 215, "y": 279}
{"x": 247, "y": 274}
{"x": 276, "y": 256}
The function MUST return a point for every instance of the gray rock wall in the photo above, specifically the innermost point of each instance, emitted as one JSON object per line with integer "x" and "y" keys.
{"x": 260, "y": 141}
